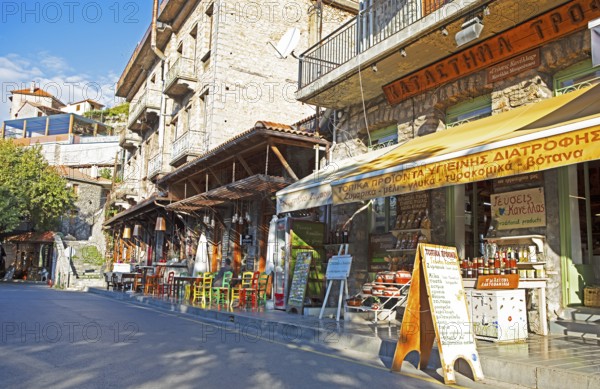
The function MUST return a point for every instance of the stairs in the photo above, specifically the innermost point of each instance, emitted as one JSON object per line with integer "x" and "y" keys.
{"x": 580, "y": 321}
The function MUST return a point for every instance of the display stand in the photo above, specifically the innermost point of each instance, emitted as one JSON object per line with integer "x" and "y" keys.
{"x": 338, "y": 268}
{"x": 437, "y": 299}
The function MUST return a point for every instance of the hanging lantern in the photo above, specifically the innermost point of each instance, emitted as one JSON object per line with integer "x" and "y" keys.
{"x": 126, "y": 233}
{"x": 161, "y": 225}
{"x": 137, "y": 230}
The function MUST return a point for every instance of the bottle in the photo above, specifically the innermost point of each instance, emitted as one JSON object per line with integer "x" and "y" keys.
{"x": 469, "y": 269}
{"x": 497, "y": 264}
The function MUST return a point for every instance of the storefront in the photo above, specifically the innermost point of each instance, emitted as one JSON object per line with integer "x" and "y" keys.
{"x": 526, "y": 189}
{"x": 29, "y": 255}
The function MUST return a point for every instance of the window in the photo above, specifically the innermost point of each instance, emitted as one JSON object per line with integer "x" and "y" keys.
{"x": 383, "y": 214}
{"x": 468, "y": 111}
{"x": 575, "y": 77}
{"x": 78, "y": 107}
{"x": 208, "y": 33}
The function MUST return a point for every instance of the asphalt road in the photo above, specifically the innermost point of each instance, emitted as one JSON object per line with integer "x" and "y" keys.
{"x": 58, "y": 339}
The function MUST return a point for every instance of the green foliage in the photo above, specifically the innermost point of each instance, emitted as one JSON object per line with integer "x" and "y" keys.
{"x": 9, "y": 213}
{"x": 40, "y": 195}
{"x": 91, "y": 255}
{"x": 106, "y": 173}
{"x": 122, "y": 109}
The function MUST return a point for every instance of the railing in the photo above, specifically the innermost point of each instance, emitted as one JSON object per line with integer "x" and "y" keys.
{"x": 577, "y": 86}
{"x": 374, "y": 24}
{"x": 182, "y": 68}
{"x": 149, "y": 99}
{"x": 180, "y": 146}
{"x": 155, "y": 165}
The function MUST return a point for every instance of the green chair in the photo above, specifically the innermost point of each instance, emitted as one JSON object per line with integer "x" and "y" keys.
{"x": 263, "y": 281}
{"x": 221, "y": 294}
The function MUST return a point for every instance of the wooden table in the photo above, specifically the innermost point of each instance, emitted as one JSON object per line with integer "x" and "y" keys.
{"x": 178, "y": 283}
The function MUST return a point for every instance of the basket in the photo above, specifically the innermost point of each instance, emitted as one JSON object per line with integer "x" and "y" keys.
{"x": 591, "y": 296}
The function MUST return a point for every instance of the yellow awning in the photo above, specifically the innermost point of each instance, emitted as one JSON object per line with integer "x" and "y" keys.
{"x": 554, "y": 132}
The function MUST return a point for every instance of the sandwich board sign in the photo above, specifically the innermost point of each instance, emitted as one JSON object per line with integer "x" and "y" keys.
{"x": 437, "y": 309}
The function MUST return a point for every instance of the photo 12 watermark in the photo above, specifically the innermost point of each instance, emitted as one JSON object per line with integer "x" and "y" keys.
{"x": 67, "y": 332}
{"x": 69, "y": 12}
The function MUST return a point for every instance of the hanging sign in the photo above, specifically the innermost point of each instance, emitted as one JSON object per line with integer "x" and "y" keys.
{"x": 520, "y": 209}
{"x": 437, "y": 300}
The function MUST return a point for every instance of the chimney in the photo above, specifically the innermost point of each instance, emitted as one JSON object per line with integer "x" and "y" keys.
{"x": 32, "y": 89}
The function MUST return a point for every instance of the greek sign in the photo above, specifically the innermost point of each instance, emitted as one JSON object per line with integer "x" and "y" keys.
{"x": 437, "y": 299}
{"x": 557, "y": 23}
{"x": 520, "y": 209}
{"x": 527, "y": 157}
{"x": 338, "y": 267}
{"x": 514, "y": 66}
{"x": 507, "y": 281}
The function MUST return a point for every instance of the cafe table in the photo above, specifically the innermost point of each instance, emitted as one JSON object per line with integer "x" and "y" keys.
{"x": 178, "y": 282}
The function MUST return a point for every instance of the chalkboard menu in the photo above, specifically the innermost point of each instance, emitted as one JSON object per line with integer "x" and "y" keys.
{"x": 299, "y": 282}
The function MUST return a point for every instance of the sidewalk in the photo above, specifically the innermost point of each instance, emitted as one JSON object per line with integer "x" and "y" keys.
{"x": 541, "y": 362}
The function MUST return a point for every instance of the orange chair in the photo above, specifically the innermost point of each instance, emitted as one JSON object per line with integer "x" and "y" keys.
{"x": 152, "y": 282}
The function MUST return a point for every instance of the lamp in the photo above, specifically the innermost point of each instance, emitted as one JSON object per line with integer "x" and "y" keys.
{"x": 444, "y": 31}
{"x": 403, "y": 52}
{"x": 127, "y": 233}
{"x": 470, "y": 30}
{"x": 137, "y": 230}
{"x": 160, "y": 224}
{"x": 374, "y": 68}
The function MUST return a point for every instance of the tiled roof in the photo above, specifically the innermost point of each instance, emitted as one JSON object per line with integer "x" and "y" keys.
{"x": 74, "y": 174}
{"x": 36, "y": 92}
{"x": 32, "y": 237}
{"x": 259, "y": 128}
{"x": 44, "y": 108}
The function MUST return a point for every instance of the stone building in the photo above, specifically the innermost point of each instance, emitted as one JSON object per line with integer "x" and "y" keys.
{"x": 423, "y": 84}
{"x": 204, "y": 73}
{"x": 33, "y": 102}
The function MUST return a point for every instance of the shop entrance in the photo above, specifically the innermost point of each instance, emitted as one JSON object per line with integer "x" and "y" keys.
{"x": 588, "y": 195}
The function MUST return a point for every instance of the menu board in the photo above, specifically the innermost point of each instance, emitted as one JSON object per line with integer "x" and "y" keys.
{"x": 437, "y": 293}
{"x": 299, "y": 282}
{"x": 338, "y": 267}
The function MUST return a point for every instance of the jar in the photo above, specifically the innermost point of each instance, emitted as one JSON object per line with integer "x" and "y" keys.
{"x": 377, "y": 290}
{"x": 367, "y": 288}
{"x": 390, "y": 291}
{"x": 402, "y": 277}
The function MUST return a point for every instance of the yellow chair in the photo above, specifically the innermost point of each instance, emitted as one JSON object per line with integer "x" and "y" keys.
{"x": 203, "y": 288}
{"x": 239, "y": 293}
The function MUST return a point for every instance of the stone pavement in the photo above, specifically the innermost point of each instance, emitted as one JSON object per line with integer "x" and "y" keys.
{"x": 540, "y": 362}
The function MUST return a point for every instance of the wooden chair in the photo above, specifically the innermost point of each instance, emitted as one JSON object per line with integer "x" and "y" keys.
{"x": 263, "y": 281}
{"x": 167, "y": 287}
{"x": 239, "y": 293}
{"x": 221, "y": 294}
{"x": 152, "y": 282}
{"x": 204, "y": 289}
{"x": 137, "y": 282}
{"x": 252, "y": 292}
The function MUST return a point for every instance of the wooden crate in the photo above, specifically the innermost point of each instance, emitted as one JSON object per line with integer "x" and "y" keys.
{"x": 591, "y": 296}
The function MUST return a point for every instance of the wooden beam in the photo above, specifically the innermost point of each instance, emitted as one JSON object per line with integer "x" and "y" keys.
{"x": 215, "y": 176}
{"x": 285, "y": 164}
{"x": 195, "y": 186}
{"x": 296, "y": 143}
{"x": 245, "y": 165}
{"x": 71, "y": 121}
{"x": 95, "y": 129}
{"x": 47, "y": 131}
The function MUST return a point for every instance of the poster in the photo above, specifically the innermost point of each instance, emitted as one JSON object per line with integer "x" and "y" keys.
{"x": 519, "y": 209}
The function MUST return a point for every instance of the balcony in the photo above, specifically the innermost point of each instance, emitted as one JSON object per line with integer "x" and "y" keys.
{"x": 155, "y": 166}
{"x": 181, "y": 78}
{"x": 392, "y": 39}
{"x": 126, "y": 190}
{"x": 145, "y": 109}
{"x": 186, "y": 147}
{"x": 129, "y": 139}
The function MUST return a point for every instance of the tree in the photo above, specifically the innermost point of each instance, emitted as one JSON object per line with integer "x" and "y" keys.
{"x": 39, "y": 195}
{"x": 9, "y": 213}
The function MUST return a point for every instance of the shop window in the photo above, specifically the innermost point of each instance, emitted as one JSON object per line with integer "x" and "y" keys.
{"x": 576, "y": 77}
{"x": 381, "y": 138}
{"x": 478, "y": 216}
{"x": 383, "y": 214}
{"x": 468, "y": 111}
{"x": 588, "y": 194}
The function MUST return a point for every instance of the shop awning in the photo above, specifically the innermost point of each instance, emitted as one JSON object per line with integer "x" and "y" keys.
{"x": 555, "y": 132}
{"x": 256, "y": 185}
{"x": 315, "y": 190}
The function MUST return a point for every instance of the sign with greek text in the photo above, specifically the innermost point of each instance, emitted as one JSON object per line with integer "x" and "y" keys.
{"x": 516, "y": 65}
{"x": 520, "y": 209}
{"x": 507, "y": 281}
{"x": 561, "y": 21}
{"x": 338, "y": 267}
{"x": 527, "y": 157}
{"x": 437, "y": 298}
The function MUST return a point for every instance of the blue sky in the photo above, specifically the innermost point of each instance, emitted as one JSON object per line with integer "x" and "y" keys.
{"x": 73, "y": 49}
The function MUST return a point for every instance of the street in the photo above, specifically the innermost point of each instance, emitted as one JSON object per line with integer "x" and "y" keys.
{"x": 59, "y": 339}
